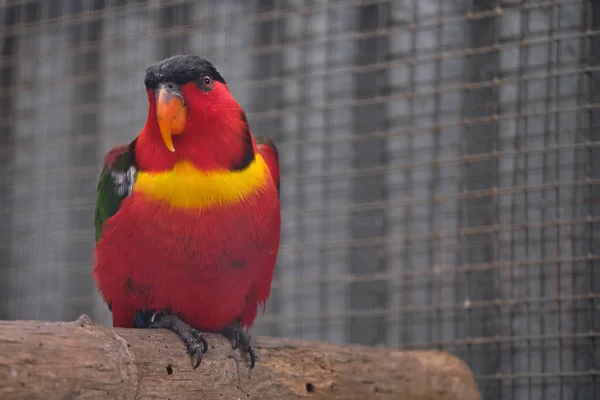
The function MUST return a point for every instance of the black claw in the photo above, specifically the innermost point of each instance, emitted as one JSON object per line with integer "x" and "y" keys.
{"x": 235, "y": 340}
{"x": 142, "y": 318}
{"x": 196, "y": 344}
{"x": 201, "y": 339}
{"x": 240, "y": 339}
{"x": 197, "y": 353}
{"x": 250, "y": 350}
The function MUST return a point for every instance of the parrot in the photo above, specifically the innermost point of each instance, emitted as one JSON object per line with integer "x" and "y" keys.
{"x": 187, "y": 218}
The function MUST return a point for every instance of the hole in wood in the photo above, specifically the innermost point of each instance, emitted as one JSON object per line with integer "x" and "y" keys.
{"x": 310, "y": 387}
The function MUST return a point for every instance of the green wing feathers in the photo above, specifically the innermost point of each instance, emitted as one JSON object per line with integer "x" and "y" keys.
{"x": 115, "y": 184}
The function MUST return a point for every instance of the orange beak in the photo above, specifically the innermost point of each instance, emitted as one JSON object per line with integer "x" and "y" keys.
{"x": 171, "y": 113}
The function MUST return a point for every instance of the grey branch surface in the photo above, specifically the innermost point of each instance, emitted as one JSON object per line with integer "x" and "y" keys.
{"x": 84, "y": 360}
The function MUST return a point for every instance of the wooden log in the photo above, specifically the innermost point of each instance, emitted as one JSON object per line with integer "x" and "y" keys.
{"x": 84, "y": 360}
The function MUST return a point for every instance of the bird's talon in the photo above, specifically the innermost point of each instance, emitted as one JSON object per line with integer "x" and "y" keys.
{"x": 240, "y": 339}
{"x": 252, "y": 356}
{"x": 198, "y": 336}
{"x": 197, "y": 352}
{"x": 153, "y": 317}
{"x": 196, "y": 344}
{"x": 204, "y": 343}
{"x": 235, "y": 340}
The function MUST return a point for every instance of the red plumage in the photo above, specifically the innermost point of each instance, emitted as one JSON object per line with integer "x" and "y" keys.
{"x": 210, "y": 266}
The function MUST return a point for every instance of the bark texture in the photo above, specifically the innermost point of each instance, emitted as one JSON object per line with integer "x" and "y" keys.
{"x": 84, "y": 360}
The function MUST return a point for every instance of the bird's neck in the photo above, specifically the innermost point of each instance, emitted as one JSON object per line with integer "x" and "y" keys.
{"x": 185, "y": 186}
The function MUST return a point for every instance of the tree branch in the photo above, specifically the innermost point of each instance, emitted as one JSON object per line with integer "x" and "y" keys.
{"x": 81, "y": 359}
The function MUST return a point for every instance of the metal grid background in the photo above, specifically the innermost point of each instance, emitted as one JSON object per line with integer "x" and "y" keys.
{"x": 439, "y": 164}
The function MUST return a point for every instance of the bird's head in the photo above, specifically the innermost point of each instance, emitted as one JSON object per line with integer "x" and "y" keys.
{"x": 193, "y": 117}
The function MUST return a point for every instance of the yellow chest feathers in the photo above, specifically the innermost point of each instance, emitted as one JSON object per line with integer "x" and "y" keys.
{"x": 184, "y": 186}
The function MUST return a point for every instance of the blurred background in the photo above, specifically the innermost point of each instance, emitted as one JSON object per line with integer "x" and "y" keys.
{"x": 440, "y": 166}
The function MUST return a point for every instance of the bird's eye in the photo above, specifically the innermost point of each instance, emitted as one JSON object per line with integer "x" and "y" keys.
{"x": 207, "y": 83}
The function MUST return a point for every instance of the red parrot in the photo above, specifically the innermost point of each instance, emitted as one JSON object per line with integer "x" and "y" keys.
{"x": 188, "y": 214}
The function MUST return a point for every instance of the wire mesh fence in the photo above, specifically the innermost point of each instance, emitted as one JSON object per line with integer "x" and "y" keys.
{"x": 440, "y": 166}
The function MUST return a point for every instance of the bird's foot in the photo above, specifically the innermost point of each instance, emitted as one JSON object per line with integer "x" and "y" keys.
{"x": 239, "y": 339}
{"x": 193, "y": 339}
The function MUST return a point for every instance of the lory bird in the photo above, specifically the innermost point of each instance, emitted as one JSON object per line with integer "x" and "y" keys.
{"x": 188, "y": 215}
